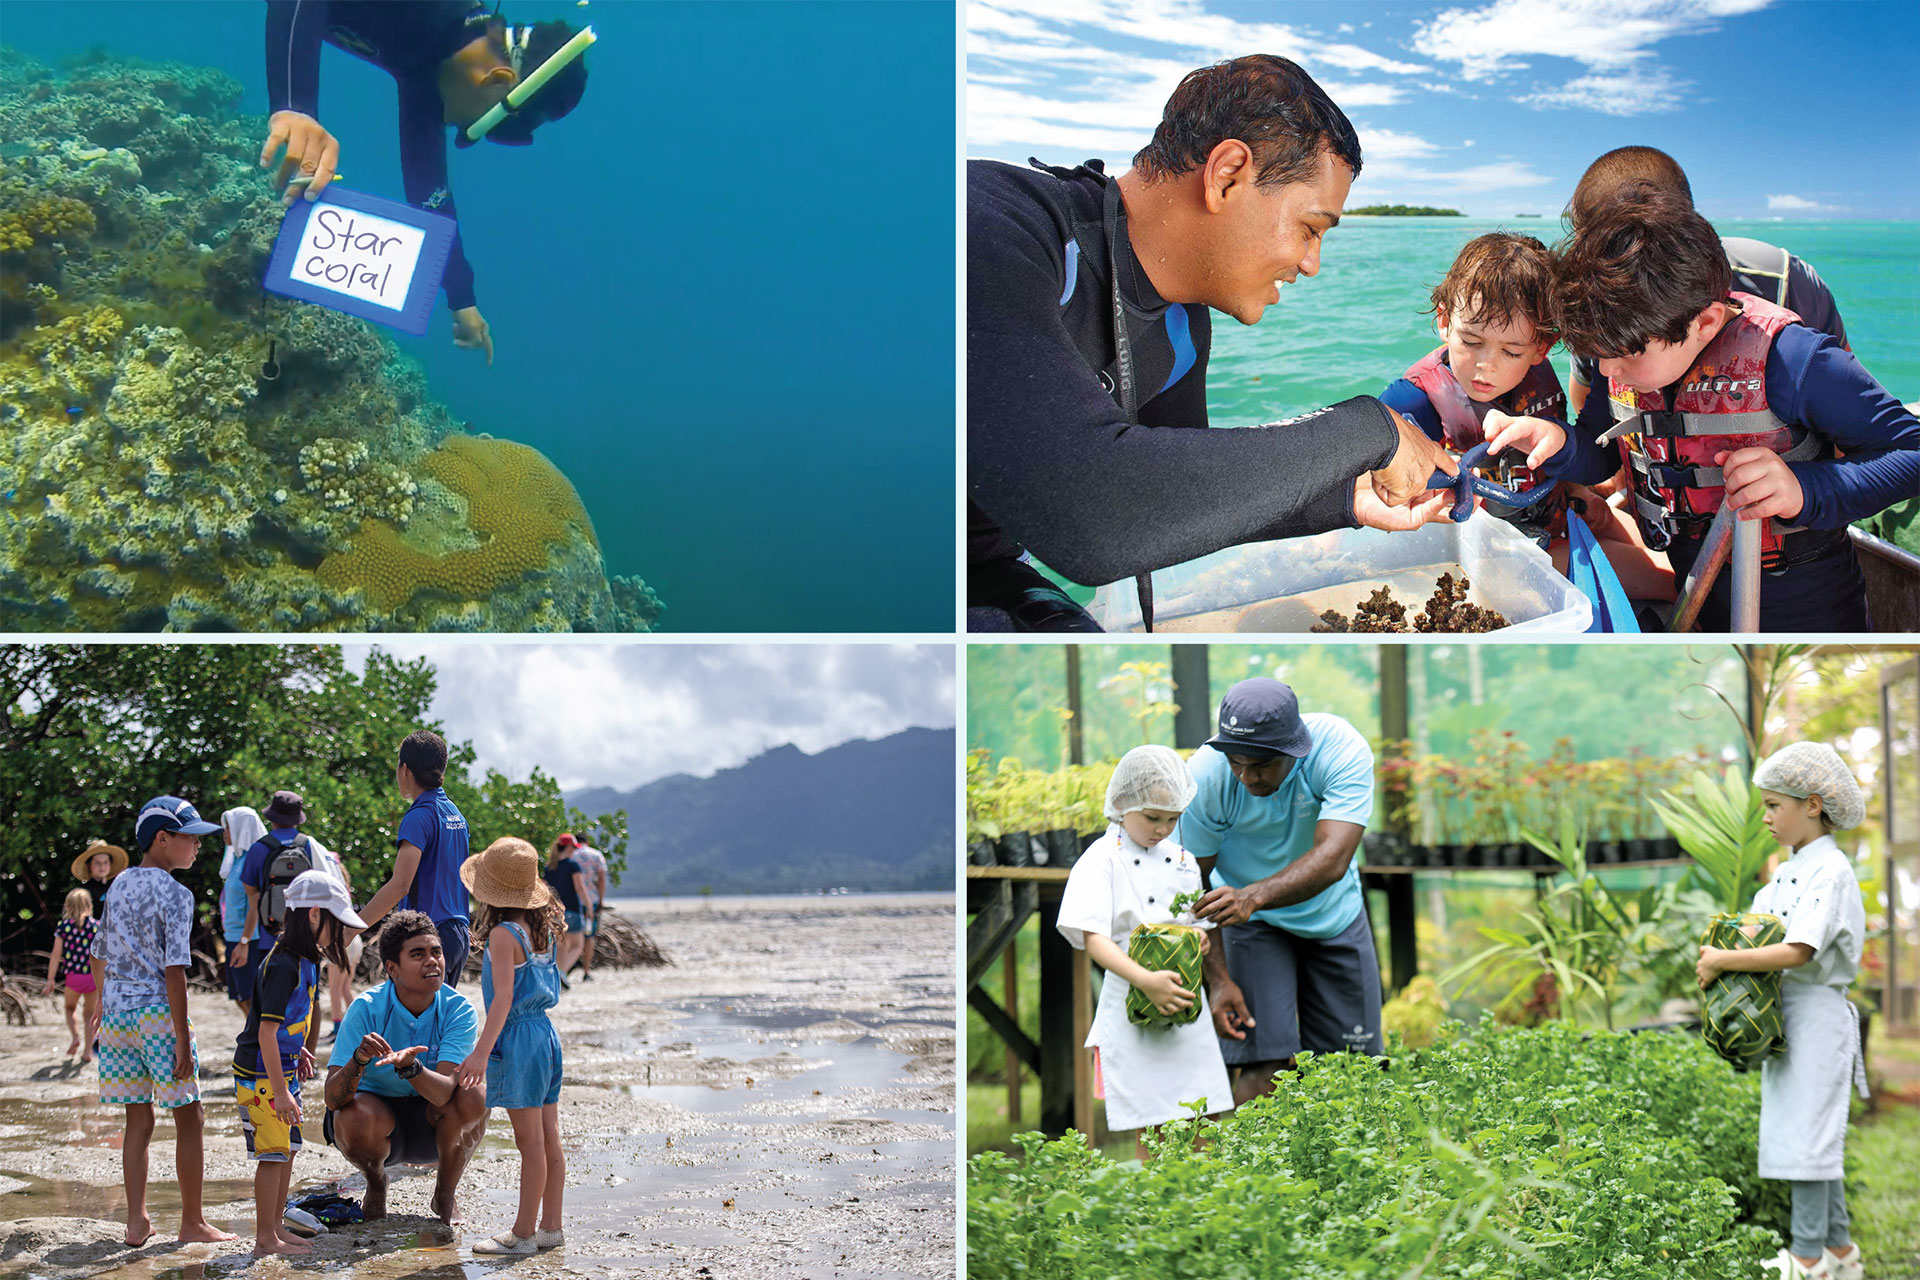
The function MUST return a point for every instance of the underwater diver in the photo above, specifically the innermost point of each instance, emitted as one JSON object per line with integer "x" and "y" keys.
{"x": 454, "y": 63}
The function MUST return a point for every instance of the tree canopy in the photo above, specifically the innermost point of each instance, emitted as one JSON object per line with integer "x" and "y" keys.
{"x": 89, "y": 732}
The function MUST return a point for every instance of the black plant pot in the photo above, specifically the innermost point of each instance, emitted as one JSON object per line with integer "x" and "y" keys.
{"x": 1639, "y": 850}
{"x": 980, "y": 852}
{"x": 1611, "y": 852}
{"x": 1016, "y": 850}
{"x": 1425, "y": 856}
{"x": 1669, "y": 849}
{"x": 1063, "y": 847}
{"x": 1513, "y": 855}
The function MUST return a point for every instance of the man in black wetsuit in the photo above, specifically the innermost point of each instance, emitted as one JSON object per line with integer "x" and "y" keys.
{"x": 1074, "y": 441}
{"x": 453, "y": 61}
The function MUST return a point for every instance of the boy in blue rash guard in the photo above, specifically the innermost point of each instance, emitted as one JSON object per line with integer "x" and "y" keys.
{"x": 1717, "y": 395}
{"x": 452, "y": 61}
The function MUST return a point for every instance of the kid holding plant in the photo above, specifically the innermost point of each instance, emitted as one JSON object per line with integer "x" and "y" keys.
{"x": 1809, "y": 794}
{"x": 1132, "y": 876}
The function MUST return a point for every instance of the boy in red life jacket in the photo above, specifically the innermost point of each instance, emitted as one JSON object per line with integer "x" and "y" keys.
{"x": 1719, "y": 396}
{"x": 1495, "y": 311}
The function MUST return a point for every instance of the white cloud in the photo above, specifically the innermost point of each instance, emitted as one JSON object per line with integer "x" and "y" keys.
{"x": 1091, "y": 78}
{"x": 623, "y": 715}
{"x": 1613, "y": 39}
{"x": 1798, "y": 204}
{"x": 1385, "y": 144}
{"x": 1634, "y": 91}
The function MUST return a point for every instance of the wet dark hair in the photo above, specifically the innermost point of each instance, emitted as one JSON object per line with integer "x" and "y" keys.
{"x": 557, "y": 96}
{"x": 1622, "y": 167}
{"x": 401, "y": 928}
{"x": 543, "y": 924}
{"x": 1642, "y": 268}
{"x": 1510, "y": 277}
{"x": 297, "y": 935}
{"x": 424, "y": 752}
{"x": 1266, "y": 102}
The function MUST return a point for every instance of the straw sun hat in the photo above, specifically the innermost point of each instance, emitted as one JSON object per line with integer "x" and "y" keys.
{"x": 507, "y": 874}
{"x": 113, "y": 851}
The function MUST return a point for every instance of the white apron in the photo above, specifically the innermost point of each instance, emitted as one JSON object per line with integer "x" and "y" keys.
{"x": 1149, "y": 1072}
{"x": 1803, "y": 1088}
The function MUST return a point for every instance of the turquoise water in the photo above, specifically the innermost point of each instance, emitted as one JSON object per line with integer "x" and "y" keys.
{"x": 1357, "y": 325}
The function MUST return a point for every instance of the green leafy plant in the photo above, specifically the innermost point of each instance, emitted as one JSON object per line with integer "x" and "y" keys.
{"x": 1721, "y": 823}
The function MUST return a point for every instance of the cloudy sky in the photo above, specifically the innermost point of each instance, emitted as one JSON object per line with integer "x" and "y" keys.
{"x": 1788, "y": 110}
{"x": 623, "y": 715}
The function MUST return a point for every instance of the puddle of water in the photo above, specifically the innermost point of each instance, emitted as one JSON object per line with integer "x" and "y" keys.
{"x": 68, "y": 1122}
{"x": 228, "y": 1201}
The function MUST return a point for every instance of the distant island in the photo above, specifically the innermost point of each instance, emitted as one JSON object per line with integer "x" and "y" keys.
{"x": 1529, "y": 215}
{"x": 1406, "y": 211}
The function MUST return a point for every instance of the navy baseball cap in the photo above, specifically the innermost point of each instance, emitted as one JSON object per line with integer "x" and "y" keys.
{"x": 169, "y": 813}
{"x": 1261, "y": 717}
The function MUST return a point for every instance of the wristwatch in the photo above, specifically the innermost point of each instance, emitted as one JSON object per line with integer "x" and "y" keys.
{"x": 409, "y": 1071}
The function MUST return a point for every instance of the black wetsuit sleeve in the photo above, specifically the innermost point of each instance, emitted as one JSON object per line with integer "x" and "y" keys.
{"x": 423, "y": 174}
{"x": 1052, "y": 459}
{"x": 1591, "y": 462}
{"x": 294, "y": 32}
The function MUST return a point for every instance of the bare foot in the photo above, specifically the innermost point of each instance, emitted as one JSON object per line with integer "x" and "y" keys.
{"x": 139, "y": 1231}
{"x": 204, "y": 1232}
{"x": 448, "y": 1210}
{"x": 278, "y": 1244}
{"x": 74, "y": 1047}
{"x": 374, "y": 1206}
{"x": 86, "y": 1058}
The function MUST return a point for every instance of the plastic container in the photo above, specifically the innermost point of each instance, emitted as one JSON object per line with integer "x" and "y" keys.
{"x": 1290, "y": 581}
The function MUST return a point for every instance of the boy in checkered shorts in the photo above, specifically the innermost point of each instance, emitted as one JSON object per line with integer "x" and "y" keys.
{"x": 147, "y": 1054}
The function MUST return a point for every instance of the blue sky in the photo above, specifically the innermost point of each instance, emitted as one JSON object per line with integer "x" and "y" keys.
{"x": 1807, "y": 109}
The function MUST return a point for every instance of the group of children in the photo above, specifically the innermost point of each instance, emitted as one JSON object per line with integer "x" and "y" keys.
{"x": 1711, "y": 395}
{"x": 1138, "y": 870}
{"x": 131, "y": 968}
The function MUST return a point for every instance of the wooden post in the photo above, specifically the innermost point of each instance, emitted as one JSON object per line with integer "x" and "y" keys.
{"x": 1076, "y": 740}
{"x": 1057, "y": 1021}
{"x": 1082, "y": 1058}
{"x": 1010, "y": 1001}
{"x": 1193, "y": 723}
{"x": 1403, "y": 953}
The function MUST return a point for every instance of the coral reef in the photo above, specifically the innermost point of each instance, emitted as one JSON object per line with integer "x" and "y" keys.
{"x": 159, "y": 472}
{"x": 1447, "y": 610}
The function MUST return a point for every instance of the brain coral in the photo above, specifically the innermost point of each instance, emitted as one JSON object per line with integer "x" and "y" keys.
{"x": 519, "y": 505}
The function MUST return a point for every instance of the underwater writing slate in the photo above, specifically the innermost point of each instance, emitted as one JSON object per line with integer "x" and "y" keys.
{"x": 369, "y": 257}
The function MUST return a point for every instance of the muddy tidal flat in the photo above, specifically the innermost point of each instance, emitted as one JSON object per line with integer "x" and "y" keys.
{"x": 778, "y": 1102}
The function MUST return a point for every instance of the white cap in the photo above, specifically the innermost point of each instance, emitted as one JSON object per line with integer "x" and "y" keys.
{"x": 1152, "y": 777}
{"x": 318, "y": 889}
{"x": 1815, "y": 769}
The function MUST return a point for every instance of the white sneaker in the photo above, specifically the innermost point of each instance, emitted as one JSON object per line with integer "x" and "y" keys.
{"x": 1848, "y": 1268}
{"x": 544, "y": 1240}
{"x": 506, "y": 1243}
{"x": 1784, "y": 1266}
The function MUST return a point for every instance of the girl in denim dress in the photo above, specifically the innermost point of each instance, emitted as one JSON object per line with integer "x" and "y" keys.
{"x": 518, "y": 1052}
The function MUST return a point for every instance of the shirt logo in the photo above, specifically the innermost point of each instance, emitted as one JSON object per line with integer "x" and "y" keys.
{"x": 439, "y": 197}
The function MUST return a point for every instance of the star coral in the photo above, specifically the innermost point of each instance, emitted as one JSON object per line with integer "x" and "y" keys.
{"x": 522, "y": 509}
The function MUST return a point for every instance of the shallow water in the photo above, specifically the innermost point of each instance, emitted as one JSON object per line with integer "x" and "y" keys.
{"x": 1301, "y": 612}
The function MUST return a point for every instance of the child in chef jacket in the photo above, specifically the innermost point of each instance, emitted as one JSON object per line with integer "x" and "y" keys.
{"x": 1803, "y": 1089}
{"x": 1129, "y": 877}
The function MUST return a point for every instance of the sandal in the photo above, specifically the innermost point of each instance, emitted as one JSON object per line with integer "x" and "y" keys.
{"x": 504, "y": 1244}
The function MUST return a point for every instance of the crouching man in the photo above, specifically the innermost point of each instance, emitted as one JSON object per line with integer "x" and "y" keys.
{"x": 385, "y": 1104}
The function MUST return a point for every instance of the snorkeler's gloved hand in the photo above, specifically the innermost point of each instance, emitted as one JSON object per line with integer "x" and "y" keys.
{"x": 1538, "y": 438}
{"x": 1404, "y": 478}
{"x": 470, "y": 330}
{"x": 313, "y": 154}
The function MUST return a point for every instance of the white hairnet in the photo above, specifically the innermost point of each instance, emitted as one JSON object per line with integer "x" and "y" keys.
{"x": 1149, "y": 778}
{"x": 1814, "y": 769}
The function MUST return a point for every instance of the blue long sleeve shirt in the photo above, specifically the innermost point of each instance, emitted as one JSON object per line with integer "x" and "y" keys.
{"x": 408, "y": 39}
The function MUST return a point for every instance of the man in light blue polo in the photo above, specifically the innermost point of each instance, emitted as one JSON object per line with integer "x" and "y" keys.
{"x": 1283, "y": 801}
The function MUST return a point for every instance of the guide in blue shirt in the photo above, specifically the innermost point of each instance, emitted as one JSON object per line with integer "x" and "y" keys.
{"x": 428, "y": 850}
{"x": 1282, "y": 803}
{"x": 454, "y": 63}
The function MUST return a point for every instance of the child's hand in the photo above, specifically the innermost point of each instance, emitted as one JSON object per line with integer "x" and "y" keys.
{"x": 182, "y": 1060}
{"x": 1206, "y": 944}
{"x": 49, "y": 990}
{"x": 473, "y": 1070}
{"x": 1760, "y": 483}
{"x": 1709, "y": 967}
{"x": 1538, "y": 438}
{"x": 1164, "y": 989}
{"x": 306, "y": 1067}
{"x": 287, "y": 1107}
